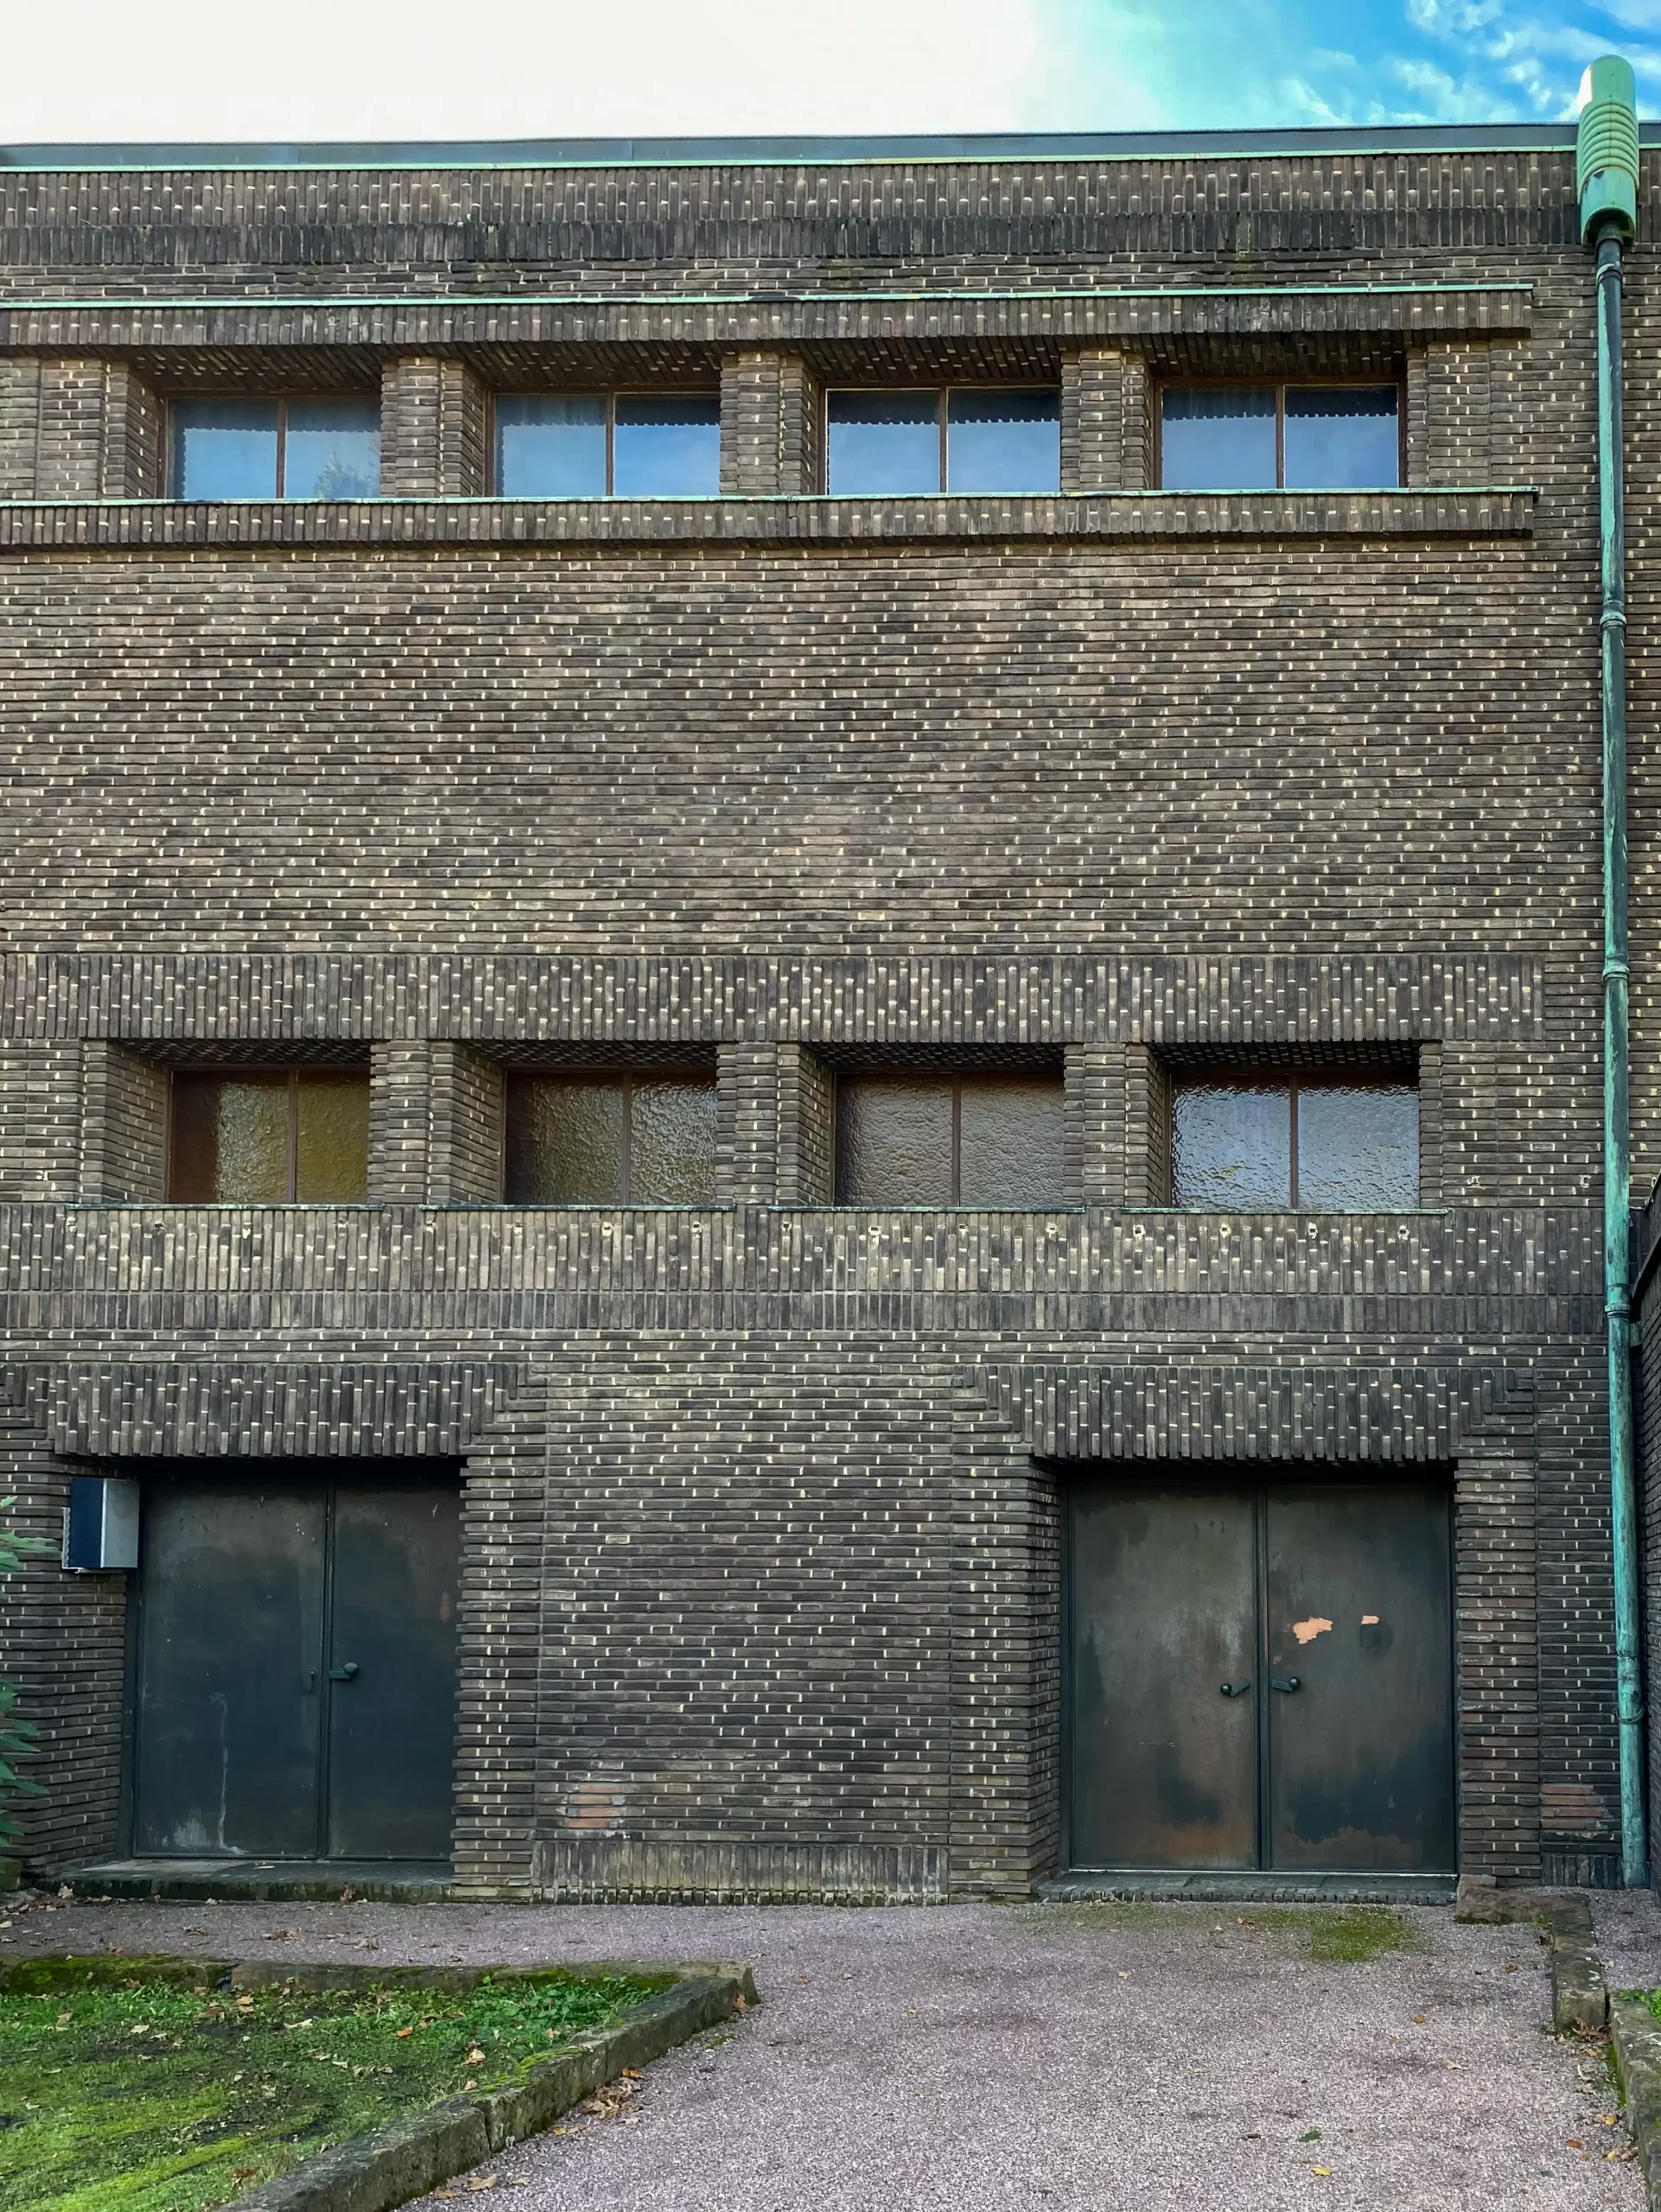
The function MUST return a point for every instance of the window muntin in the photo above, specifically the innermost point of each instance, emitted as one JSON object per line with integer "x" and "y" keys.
{"x": 589, "y": 445}
{"x": 1273, "y": 1143}
{"x": 280, "y": 448}
{"x": 942, "y": 1139}
{"x": 610, "y": 1140}
{"x": 1245, "y": 437}
{"x": 965, "y": 440}
{"x": 271, "y": 1137}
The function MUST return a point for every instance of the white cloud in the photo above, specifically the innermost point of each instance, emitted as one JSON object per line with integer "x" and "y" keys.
{"x": 518, "y": 68}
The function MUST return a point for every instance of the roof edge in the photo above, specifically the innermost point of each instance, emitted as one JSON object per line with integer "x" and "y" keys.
{"x": 753, "y": 152}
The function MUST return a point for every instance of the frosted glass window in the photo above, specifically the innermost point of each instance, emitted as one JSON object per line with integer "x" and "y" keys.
{"x": 1357, "y": 1148}
{"x": 263, "y": 1139}
{"x": 1296, "y": 1141}
{"x": 611, "y": 1140}
{"x": 929, "y": 1139}
{"x": 276, "y": 449}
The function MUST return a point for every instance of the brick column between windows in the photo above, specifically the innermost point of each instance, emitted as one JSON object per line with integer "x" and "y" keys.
{"x": 434, "y": 429}
{"x": 769, "y": 425}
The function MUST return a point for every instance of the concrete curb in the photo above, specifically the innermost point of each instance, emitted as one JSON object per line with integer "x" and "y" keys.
{"x": 1579, "y": 2002}
{"x": 1635, "y": 2040}
{"x": 408, "y": 2157}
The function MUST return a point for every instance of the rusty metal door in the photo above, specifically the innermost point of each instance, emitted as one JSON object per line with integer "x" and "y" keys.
{"x": 1260, "y": 1677}
{"x": 1358, "y": 1616}
{"x": 296, "y": 1668}
{"x": 1164, "y": 1766}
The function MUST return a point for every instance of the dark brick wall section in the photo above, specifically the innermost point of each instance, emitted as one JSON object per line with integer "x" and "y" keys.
{"x": 64, "y": 1638}
{"x": 123, "y": 1127}
{"x": 763, "y": 1500}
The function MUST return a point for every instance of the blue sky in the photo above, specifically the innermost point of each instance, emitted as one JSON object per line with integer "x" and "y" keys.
{"x": 364, "y": 68}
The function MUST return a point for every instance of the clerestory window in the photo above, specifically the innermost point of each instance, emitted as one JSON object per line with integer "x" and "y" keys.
{"x": 1261, "y": 437}
{"x": 595, "y": 445}
{"x": 967, "y": 438}
{"x": 276, "y": 449}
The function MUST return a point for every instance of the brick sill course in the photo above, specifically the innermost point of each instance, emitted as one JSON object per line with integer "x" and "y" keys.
{"x": 1451, "y": 511}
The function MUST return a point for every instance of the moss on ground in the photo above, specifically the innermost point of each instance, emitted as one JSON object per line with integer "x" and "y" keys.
{"x": 156, "y": 2096}
{"x": 1346, "y": 1934}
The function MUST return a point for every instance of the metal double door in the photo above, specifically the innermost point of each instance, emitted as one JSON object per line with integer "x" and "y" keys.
{"x": 1260, "y": 1676}
{"x": 296, "y": 1668}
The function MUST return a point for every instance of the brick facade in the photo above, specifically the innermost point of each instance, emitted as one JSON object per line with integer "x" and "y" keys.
{"x": 762, "y": 1500}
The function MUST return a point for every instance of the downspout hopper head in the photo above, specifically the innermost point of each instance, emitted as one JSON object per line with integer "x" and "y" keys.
{"x": 1606, "y": 154}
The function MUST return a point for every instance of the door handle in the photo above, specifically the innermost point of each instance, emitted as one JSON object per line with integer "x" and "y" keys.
{"x": 1235, "y": 1690}
{"x": 1285, "y": 1682}
{"x": 346, "y": 1674}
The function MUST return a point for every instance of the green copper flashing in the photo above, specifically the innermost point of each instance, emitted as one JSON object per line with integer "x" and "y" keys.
{"x": 1606, "y": 154}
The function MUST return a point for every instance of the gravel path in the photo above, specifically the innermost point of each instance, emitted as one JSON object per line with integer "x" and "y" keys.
{"x": 1070, "y": 2058}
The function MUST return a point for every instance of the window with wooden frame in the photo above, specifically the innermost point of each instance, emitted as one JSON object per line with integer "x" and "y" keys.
{"x": 1265, "y": 437}
{"x": 611, "y": 1139}
{"x": 596, "y": 445}
{"x": 962, "y": 438}
{"x": 269, "y": 1136}
{"x": 937, "y": 1138}
{"x": 247, "y": 448}
{"x": 1294, "y": 1140}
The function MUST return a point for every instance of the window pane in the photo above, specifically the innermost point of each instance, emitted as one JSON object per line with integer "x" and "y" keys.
{"x": 882, "y": 441}
{"x": 331, "y": 1140}
{"x": 1012, "y": 1143}
{"x": 550, "y": 445}
{"x": 893, "y": 1141}
{"x": 331, "y": 449}
{"x": 1004, "y": 442}
{"x": 1217, "y": 438}
{"x": 230, "y": 1139}
{"x": 225, "y": 450}
{"x": 1339, "y": 437}
{"x": 667, "y": 449}
{"x": 1233, "y": 1146}
{"x": 1358, "y": 1148}
{"x": 671, "y": 1156}
{"x": 564, "y": 1142}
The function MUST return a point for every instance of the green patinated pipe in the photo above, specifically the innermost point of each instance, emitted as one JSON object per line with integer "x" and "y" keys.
{"x": 1608, "y": 168}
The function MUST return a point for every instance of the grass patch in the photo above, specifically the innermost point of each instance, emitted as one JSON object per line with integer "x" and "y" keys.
{"x": 1340, "y": 1934}
{"x": 153, "y": 2095}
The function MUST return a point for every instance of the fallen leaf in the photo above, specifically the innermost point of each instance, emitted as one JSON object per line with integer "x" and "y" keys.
{"x": 1572, "y": 2143}
{"x": 632, "y": 2074}
{"x": 1607, "y": 2118}
{"x": 402, "y": 2032}
{"x": 1326, "y": 2172}
{"x": 1253, "y": 2138}
{"x": 1310, "y": 2135}
{"x": 244, "y": 2173}
{"x": 475, "y": 2056}
{"x": 1418, "y": 2020}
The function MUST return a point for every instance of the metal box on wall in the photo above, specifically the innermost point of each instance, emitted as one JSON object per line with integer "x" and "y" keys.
{"x": 100, "y": 1524}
